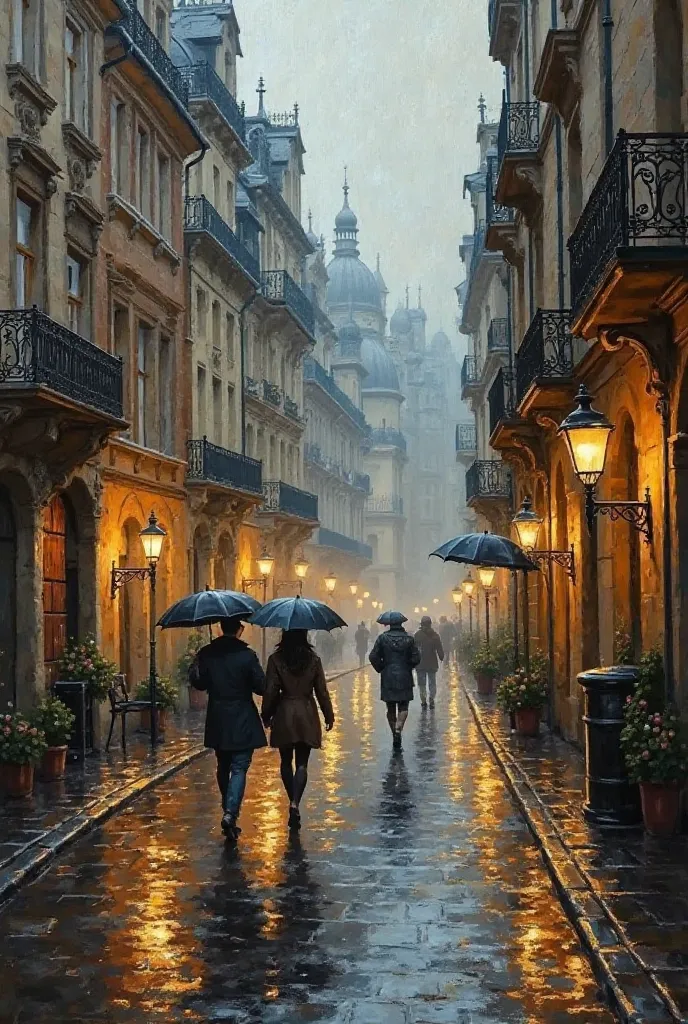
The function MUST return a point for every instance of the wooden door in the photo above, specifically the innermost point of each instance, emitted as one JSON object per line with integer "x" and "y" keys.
{"x": 54, "y": 585}
{"x": 8, "y": 602}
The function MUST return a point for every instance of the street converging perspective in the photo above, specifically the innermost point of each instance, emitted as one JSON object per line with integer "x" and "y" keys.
{"x": 343, "y": 552}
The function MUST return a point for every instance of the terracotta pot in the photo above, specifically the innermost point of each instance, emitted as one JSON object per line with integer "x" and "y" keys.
{"x": 16, "y": 779}
{"x": 661, "y": 803}
{"x": 485, "y": 683}
{"x": 53, "y": 763}
{"x": 146, "y": 720}
{"x": 198, "y": 699}
{"x": 528, "y": 721}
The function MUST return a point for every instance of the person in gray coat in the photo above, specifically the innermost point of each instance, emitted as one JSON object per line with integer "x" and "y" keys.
{"x": 431, "y": 653}
{"x": 230, "y": 672}
{"x": 394, "y": 655}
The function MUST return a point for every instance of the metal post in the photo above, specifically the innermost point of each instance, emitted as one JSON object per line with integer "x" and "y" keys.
{"x": 666, "y": 563}
{"x": 516, "y": 644}
{"x": 470, "y": 615}
{"x": 153, "y": 666}
{"x": 265, "y": 637}
{"x": 526, "y": 622}
{"x": 487, "y": 617}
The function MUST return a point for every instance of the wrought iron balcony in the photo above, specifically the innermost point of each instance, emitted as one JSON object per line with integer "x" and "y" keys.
{"x": 37, "y": 353}
{"x": 380, "y": 437}
{"x": 313, "y": 453}
{"x": 466, "y": 438}
{"x": 291, "y": 408}
{"x": 637, "y": 213}
{"x": 470, "y": 377}
{"x": 272, "y": 394}
{"x": 545, "y": 355}
{"x": 201, "y": 216}
{"x": 500, "y": 399}
{"x": 251, "y": 387}
{"x": 279, "y": 287}
{"x": 362, "y": 482}
{"x": 498, "y": 336}
{"x": 519, "y": 129}
{"x": 478, "y": 249}
{"x": 313, "y": 371}
{"x": 203, "y": 82}
{"x": 496, "y": 213}
{"x": 331, "y": 539}
{"x": 280, "y": 497}
{"x": 488, "y": 479}
{"x": 155, "y": 55}
{"x": 385, "y": 504}
{"x": 211, "y": 463}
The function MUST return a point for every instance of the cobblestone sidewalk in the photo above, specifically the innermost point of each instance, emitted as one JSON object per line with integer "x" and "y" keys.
{"x": 626, "y": 894}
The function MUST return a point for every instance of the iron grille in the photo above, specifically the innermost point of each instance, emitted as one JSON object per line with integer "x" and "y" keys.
{"x": 314, "y": 371}
{"x": 519, "y": 129}
{"x": 201, "y": 215}
{"x": 279, "y": 286}
{"x": 154, "y": 53}
{"x": 466, "y": 437}
{"x": 291, "y": 408}
{"x": 469, "y": 372}
{"x": 546, "y": 350}
{"x": 498, "y": 335}
{"x": 281, "y": 497}
{"x": 390, "y": 504}
{"x": 331, "y": 539}
{"x": 201, "y": 81}
{"x": 488, "y": 479}
{"x": 272, "y": 394}
{"x": 500, "y": 398}
{"x": 211, "y": 462}
{"x": 496, "y": 213}
{"x": 251, "y": 387}
{"x": 381, "y": 436}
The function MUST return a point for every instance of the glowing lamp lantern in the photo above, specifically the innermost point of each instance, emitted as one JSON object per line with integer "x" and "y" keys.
{"x": 527, "y": 525}
{"x": 301, "y": 568}
{"x": 152, "y": 537}
{"x": 265, "y": 564}
{"x": 353, "y": 587}
{"x": 330, "y": 583}
{"x": 457, "y": 596}
{"x": 486, "y": 577}
{"x": 586, "y": 432}
{"x": 359, "y": 603}
{"x": 435, "y": 600}
{"x": 366, "y": 594}
{"x": 416, "y": 610}
{"x": 468, "y": 586}
{"x": 424, "y": 608}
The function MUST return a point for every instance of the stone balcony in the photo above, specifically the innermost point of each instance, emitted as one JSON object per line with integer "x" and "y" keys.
{"x": 518, "y": 182}
{"x": 545, "y": 363}
{"x": 202, "y": 221}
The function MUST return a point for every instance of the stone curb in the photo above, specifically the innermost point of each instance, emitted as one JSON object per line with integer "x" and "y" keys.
{"x": 36, "y": 856}
{"x": 601, "y": 934}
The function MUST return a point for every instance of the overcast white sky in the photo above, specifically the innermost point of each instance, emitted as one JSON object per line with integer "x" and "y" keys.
{"x": 389, "y": 88}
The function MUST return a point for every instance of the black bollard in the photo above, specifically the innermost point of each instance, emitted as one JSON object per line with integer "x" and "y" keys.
{"x": 611, "y": 799}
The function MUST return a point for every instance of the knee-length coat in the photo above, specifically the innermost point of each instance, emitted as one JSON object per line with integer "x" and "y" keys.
{"x": 289, "y": 705}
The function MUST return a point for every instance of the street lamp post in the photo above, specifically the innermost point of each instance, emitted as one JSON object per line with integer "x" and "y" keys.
{"x": 330, "y": 583}
{"x": 468, "y": 589}
{"x": 301, "y": 567}
{"x": 487, "y": 576}
{"x": 152, "y": 537}
{"x": 265, "y": 567}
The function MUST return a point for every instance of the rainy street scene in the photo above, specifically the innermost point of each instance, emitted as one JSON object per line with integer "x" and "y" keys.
{"x": 343, "y": 512}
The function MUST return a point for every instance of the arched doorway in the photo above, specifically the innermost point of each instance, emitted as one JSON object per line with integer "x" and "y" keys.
{"x": 8, "y": 601}
{"x": 60, "y": 582}
{"x": 224, "y": 564}
{"x": 132, "y": 619}
{"x": 201, "y": 559}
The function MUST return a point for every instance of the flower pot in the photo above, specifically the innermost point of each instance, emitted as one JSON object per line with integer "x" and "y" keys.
{"x": 528, "y": 721}
{"x": 198, "y": 699}
{"x": 661, "y": 803}
{"x": 146, "y": 720}
{"x": 16, "y": 779}
{"x": 485, "y": 683}
{"x": 53, "y": 763}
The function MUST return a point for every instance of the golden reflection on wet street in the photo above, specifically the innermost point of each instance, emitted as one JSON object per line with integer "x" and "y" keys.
{"x": 413, "y": 895}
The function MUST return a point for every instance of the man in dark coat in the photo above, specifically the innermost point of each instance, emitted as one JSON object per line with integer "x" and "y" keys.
{"x": 230, "y": 671}
{"x": 395, "y": 655}
{"x": 362, "y": 638}
{"x": 431, "y": 653}
{"x": 447, "y": 632}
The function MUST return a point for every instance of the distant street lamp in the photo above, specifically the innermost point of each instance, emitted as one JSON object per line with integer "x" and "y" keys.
{"x": 435, "y": 600}
{"x": 301, "y": 567}
{"x": 353, "y": 588}
{"x": 265, "y": 566}
{"x": 486, "y": 577}
{"x": 359, "y": 603}
{"x": 468, "y": 588}
{"x": 366, "y": 595}
{"x": 330, "y": 583}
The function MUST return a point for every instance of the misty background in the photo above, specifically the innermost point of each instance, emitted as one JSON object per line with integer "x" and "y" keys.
{"x": 390, "y": 88}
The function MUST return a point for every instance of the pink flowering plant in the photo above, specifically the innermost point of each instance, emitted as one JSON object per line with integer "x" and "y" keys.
{"x": 83, "y": 662}
{"x": 653, "y": 738}
{"x": 55, "y": 720}
{"x": 523, "y": 689}
{"x": 21, "y": 742}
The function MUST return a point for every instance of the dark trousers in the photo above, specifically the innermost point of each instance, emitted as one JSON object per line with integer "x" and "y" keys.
{"x": 232, "y": 766}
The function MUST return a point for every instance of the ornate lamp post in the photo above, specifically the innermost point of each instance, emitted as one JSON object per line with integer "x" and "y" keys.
{"x": 152, "y": 537}
{"x": 353, "y": 589}
{"x": 265, "y": 566}
{"x": 330, "y": 583}
{"x": 301, "y": 567}
{"x": 486, "y": 576}
{"x": 468, "y": 586}
{"x": 528, "y": 523}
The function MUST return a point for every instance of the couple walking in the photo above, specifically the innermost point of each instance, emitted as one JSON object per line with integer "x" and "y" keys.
{"x": 395, "y": 655}
{"x": 231, "y": 674}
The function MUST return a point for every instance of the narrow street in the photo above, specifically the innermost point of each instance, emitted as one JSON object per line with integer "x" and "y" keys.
{"x": 415, "y": 894}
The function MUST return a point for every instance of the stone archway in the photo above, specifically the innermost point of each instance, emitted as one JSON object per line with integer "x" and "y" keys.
{"x": 225, "y": 563}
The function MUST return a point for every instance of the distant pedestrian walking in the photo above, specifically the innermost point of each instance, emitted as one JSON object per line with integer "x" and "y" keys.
{"x": 431, "y": 653}
{"x": 447, "y": 632}
{"x": 362, "y": 637}
{"x": 395, "y": 655}
{"x": 230, "y": 672}
{"x": 295, "y": 679}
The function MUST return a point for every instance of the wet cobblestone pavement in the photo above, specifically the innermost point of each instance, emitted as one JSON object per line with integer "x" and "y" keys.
{"x": 415, "y": 895}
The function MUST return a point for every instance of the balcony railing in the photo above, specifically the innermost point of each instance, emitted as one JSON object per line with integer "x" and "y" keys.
{"x": 384, "y": 436}
{"x": 519, "y": 129}
{"x": 201, "y": 215}
{"x": 281, "y": 497}
{"x": 488, "y": 479}
{"x": 331, "y": 539}
{"x": 272, "y": 394}
{"x": 546, "y": 351}
{"x": 498, "y": 336}
{"x": 640, "y": 200}
{"x": 155, "y": 54}
{"x": 500, "y": 398}
{"x": 36, "y": 351}
{"x": 388, "y": 504}
{"x": 469, "y": 373}
{"x": 478, "y": 249}
{"x": 251, "y": 387}
{"x": 313, "y": 371}
{"x": 279, "y": 286}
{"x": 203, "y": 81}
{"x": 496, "y": 213}
{"x": 211, "y": 462}
{"x": 291, "y": 408}
{"x": 466, "y": 437}
{"x": 362, "y": 482}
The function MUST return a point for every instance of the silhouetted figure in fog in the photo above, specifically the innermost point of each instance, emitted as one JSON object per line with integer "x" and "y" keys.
{"x": 362, "y": 637}
{"x": 431, "y": 654}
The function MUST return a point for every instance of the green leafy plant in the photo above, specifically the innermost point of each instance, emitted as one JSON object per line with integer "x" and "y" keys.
{"x": 21, "y": 742}
{"x": 83, "y": 662}
{"x": 523, "y": 689}
{"x": 503, "y": 647}
{"x": 484, "y": 661}
{"x": 55, "y": 720}
{"x": 166, "y": 692}
{"x": 195, "y": 641}
{"x": 466, "y": 646}
{"x": 653, "y": 739}
{"x": 624, "y": 653}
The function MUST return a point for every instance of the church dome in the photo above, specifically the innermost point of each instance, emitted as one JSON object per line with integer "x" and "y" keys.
{"x": 382, "y": 373}
{"x": 401, "y": 321}
{"x": 440, "y": 342}
{"x": 350, "y": 332}
{"x": 351, "y": 283}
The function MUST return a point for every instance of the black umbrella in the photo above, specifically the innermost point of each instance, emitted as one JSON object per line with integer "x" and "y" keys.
{"x": 485, "y": 549}
{"x": 392, "y": 619}
{"x": 297, "y": 613}
{"x": 209, "y": 606}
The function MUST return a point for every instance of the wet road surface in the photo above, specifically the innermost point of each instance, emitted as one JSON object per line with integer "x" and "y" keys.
{"x": 414, "y": 896}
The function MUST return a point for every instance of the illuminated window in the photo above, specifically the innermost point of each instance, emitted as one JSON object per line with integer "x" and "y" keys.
{"x": 25, "y": 254}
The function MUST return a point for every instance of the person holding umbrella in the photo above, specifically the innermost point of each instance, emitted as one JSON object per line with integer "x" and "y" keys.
{"x": 395, "y": 654}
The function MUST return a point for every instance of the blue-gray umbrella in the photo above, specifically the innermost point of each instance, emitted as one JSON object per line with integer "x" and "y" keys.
{"x": 209, "y": 606}
{"x": 486, "y": 549}
{"x": 392, "y": 619}
{"x": 297, "y": 613}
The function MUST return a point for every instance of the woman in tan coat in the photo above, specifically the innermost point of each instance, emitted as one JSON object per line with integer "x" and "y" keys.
{"x": 295, "y": 679}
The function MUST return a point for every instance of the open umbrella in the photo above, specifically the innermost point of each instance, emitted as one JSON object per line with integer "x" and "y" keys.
{"x": 486, "y": 549}
{"x": 297, "y": 613}
{"x": 392, "y": 619}
{"x": 208, "y": 606}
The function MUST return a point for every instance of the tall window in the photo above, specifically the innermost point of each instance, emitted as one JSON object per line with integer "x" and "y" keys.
{"x": 217, "y": 326}
{"x": 143, "y": 182}
{"x": 27, "y": 34}
{"x": 25, "y": 254}
{"x": 164, "y": 220}
{"x": 202, "y": 408}
{"x": 201, "y": 312}
{"x": 231, "y": 417}
{"x": 77, "y": 77}
{"x": 165, "y": 395}
{"x": 143, "y": 358}
{"x": 119, "y": 162}
{"x": 216, "y": 188}
{"x": 229, "y": 336}
{"x": 161, "y": 26}
{"x": 121, "y": 347}
{"x": 77, "y": 295}
{"x": 230, "y": 203}
{"x": 217, "y": 410}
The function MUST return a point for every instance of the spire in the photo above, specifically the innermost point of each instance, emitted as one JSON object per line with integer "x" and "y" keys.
{"x": 346, "y": 188}
{"x": 482, "y": 108}
{"x": 310, "y": 220}
{"x": 407, "y": 296}
{"x": 261, "y": 93}
{"x": 420, "y": 296}
{"x": 346, "y": 226}
{"x": 377, "y": 264}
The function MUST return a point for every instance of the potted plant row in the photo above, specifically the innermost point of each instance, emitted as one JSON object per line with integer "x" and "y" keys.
{"x": 166, "y": 698}
{"x": 524, "y": 694}
{"x": 22, "y": 745}
{"x": 55, "y": 720}
{"x": 485, "y": 668}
